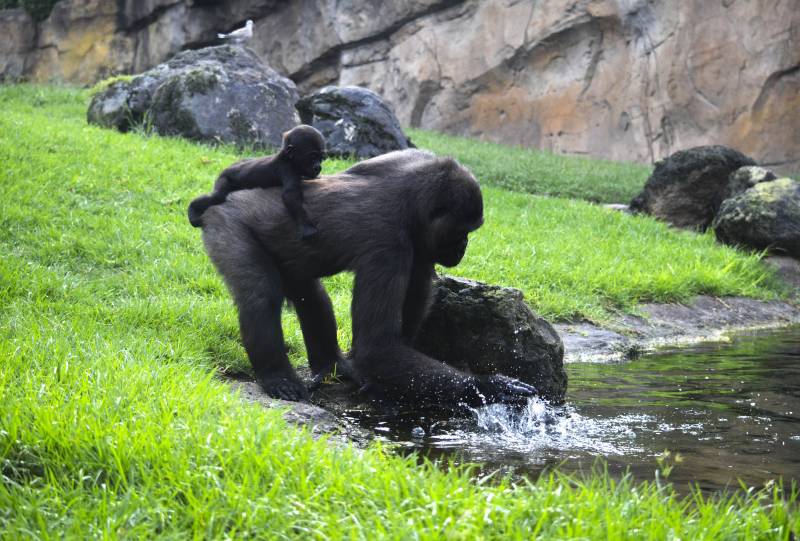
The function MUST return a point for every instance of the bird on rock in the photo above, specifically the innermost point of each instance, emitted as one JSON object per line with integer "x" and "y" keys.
{"x": 240, "y": 34}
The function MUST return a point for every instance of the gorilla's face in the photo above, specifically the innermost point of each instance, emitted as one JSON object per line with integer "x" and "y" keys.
{"x": 452, "y": 252}
{"x": 305, "y": 147}
{"x": 310, "y": 163}
{"x": 458, "y": 213}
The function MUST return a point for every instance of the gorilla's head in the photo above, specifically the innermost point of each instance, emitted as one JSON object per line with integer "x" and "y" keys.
{"x": 304, "y": 146}
{"x": 454, "y": 209}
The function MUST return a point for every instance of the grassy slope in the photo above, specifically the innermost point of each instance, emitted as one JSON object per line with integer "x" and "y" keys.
{"x": 542, "y": 173}
{"x": 111, "y": 325}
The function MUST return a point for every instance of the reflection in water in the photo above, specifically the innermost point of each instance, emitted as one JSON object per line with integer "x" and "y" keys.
{"x": 731, "y": 410}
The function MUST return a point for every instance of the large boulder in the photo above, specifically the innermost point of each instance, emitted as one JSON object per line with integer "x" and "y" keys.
{"x": 687, "y": 188}
{"x": 767, "y": 216}
{"x": 354, "y": 120}
{"x": 485, "y": 329}
{"x": 217, "y": 94}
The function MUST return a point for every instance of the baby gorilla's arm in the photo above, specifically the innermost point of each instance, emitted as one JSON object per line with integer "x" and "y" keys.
{"x": 293, "y": 200}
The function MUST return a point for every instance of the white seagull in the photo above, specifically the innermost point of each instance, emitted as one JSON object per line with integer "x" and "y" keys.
{"x": 240, "y": 34}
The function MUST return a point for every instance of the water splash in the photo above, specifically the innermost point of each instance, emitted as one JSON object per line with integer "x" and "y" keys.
{"x": 541, "y": 427}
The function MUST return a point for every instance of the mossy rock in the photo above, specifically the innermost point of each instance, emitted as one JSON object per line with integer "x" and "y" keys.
{"x": 485, "y": 329}
{"x": 687, "y": 188}
{"x": 219, "y": 94}
{"x": 765, "y": 217}
{"x": 109, "y": 106}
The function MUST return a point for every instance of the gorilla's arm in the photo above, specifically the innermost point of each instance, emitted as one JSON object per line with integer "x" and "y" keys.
{"x": 417, "y": 301}
{"x": 394, "y": 371}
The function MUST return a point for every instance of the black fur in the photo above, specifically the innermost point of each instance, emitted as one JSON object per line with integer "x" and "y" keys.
{"x": 388, "y": 219}
{"x": 299, "y": 159}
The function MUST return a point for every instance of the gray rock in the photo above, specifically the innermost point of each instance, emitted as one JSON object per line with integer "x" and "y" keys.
{"x": 355, "y": 121}
{"x": 217, "y": 94}
{"x": 767, "y": 216}
{"x": 485, "y": 329}
{"x": 702, "y": 319}
{"x": 745, "y": 178}
{"x": 687, "y": 188}
{"x": 110, "y": 108}
{"x": 19, "y": 40}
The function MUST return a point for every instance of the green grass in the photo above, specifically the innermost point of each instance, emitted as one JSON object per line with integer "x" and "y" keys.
{"x": 113, "y": 323}
{"x": 538, "y": 172}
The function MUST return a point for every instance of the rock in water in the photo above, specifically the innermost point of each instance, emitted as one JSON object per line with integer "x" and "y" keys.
{"x": 354, "y": 120}
{"x": 767, "y": 216}
{"x": 217, "y": 94}
{"x": 485, "y": 329}
{"x": 687, "y": 188}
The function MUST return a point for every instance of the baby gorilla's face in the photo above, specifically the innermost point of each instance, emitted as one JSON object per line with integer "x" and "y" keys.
{"x": 309, "y": 163}
{"x": 306, "y": 148}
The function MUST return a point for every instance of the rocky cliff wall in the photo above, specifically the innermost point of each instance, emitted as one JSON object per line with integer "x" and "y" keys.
{"x": 623, "y": 79}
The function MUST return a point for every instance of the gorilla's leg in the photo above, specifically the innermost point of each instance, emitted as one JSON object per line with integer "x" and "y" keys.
{"x": 222, "y": 187}
{"x": 257, "y": 287}
{"x": 315, "y": 312}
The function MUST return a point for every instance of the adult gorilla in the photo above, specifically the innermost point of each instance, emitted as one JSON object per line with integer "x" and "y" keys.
{"x": 389, "y": 219}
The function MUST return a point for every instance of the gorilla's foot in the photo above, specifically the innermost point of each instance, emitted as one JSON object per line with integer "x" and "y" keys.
{"x": 284, "y": 388}
{"x": 340, "y": 369}
{"x": 499, "y": 388}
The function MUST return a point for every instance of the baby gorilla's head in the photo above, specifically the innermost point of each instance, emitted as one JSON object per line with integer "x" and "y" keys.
{"x": 305, "y": 148}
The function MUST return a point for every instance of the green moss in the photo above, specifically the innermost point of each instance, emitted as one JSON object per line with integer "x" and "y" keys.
{"x": 102, "y": 86}
{"x": 200, "y": 81}
{"x": 242, "y": 128}
{"x": 167, "y": 107}
{"x": 775, "y": 190}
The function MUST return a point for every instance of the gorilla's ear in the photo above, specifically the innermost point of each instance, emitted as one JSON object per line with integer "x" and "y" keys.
{"x": 286, "y": 148}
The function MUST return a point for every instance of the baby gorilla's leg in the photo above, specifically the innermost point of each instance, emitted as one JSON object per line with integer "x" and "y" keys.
{"x": 200, "y": 204}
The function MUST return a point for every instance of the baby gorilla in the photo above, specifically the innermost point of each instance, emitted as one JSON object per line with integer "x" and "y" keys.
{"x": 300, "y": 159}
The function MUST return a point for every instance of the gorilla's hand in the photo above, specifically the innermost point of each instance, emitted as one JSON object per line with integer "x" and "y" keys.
{"x": 284, "y": 388}
{"x": 499, "y": 388}
{"x": 342, "y": 368}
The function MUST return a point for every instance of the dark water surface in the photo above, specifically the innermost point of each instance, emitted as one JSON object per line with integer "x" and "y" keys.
{"x": 732, "y": 411}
